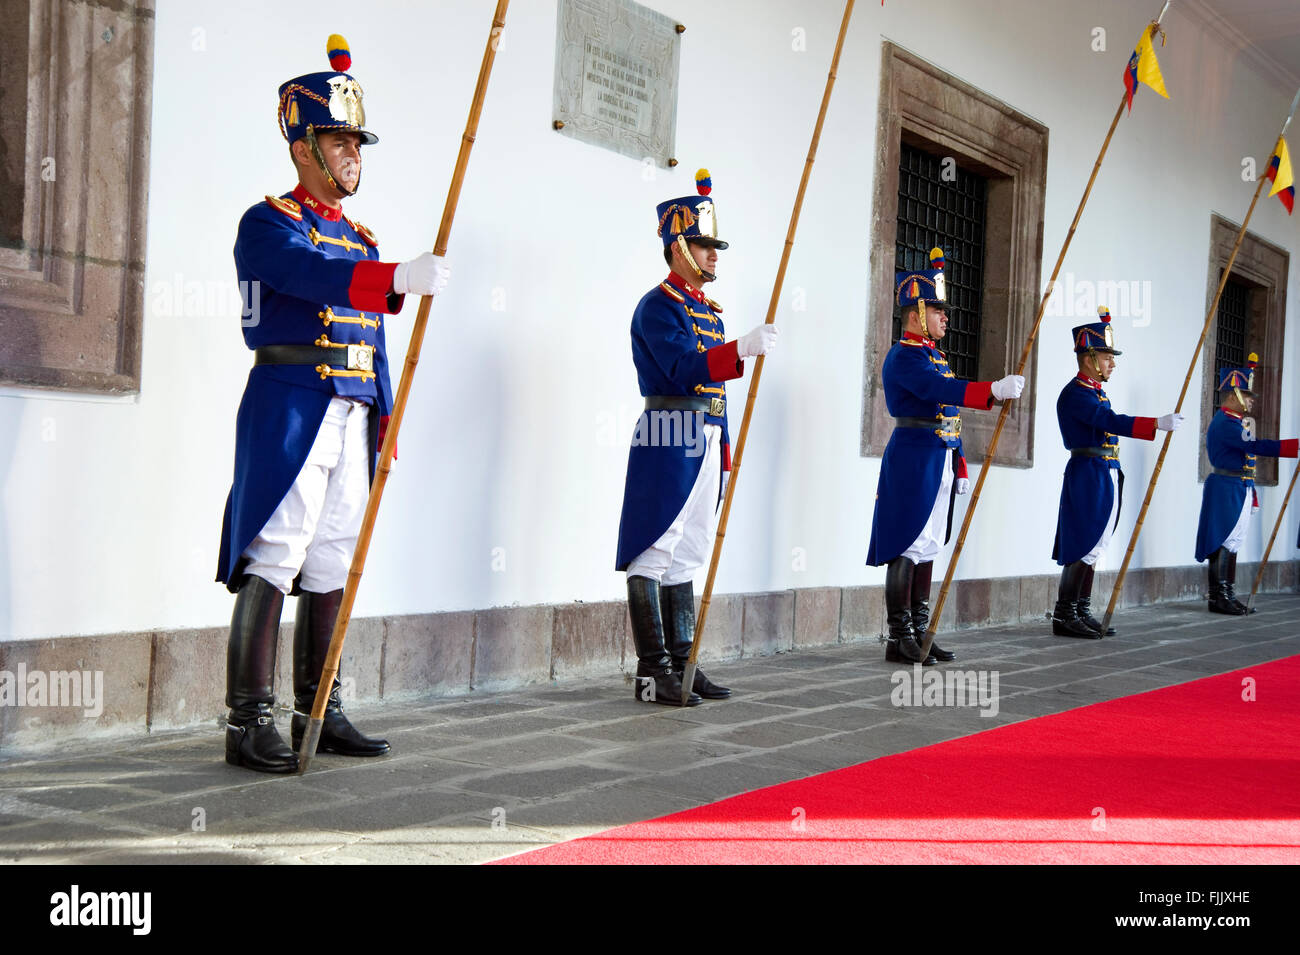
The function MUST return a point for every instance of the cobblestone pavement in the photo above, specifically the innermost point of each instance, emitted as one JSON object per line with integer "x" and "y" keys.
{"x": 484, "y": 776}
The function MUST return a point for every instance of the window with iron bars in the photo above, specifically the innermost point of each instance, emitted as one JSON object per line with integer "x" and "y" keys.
{"x": 1230, "y": 329}
{"x": 945, "y": 208}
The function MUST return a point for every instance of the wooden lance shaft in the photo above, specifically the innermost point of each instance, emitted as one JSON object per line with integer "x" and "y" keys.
{"x": 310, "y": 738}
{"x": 1259, "y": 575}
{"x": 1164, "y": 445}
{"x": 1191, "y": 368}
{"x": 688, "y": 677}
{"x": 937, "y": 614}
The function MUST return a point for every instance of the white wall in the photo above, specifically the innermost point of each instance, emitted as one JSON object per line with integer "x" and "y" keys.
{"x": 516, "y": 434}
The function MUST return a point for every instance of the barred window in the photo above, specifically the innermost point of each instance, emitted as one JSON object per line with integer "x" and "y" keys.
{"x": 1230, "y": 349}
{"x": 941, "y": 204}
{"x": 1250, "y": 317}
{"x": 958, "y": 169}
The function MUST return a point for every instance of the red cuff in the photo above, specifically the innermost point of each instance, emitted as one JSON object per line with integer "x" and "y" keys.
{"x": 726, "y": 457}
{"x": 979, "y": 394}
{"x": 961, "y": 467}
{"x": 1290, "y": 448}
{"x": 1254, "y": 498}
{"x": 724, "y": 362}
{"x": 1144, "y": 428}
{"x": 371, "y": 284}
{"x": 383, "y": 432}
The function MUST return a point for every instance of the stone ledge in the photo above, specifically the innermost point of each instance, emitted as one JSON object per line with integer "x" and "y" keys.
{"x": 164, "y": 680}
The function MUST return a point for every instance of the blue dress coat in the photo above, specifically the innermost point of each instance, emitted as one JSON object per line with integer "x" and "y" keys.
{"x": 1222, "y": 497}
{"x": 308, "y": 275}
{"x": 1087, "y": 494}
{"x": 918, "y": 384}
{"x": 679, "y": 348}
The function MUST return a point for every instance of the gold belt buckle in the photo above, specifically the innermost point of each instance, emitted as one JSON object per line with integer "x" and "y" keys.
{"x": 361, "y": 358}
{"x": 717, "y": 407}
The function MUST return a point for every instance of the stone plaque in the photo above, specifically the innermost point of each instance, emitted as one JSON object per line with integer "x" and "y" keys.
{"x": 616, "y": 66}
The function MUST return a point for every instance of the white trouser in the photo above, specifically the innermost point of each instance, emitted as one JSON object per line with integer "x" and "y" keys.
{"x": 1094, "y": 555}
{"x": 1237, "y": 539}
{"x": 929, "y": 542}
{"x": 682, "y": 549}
{"x": 314, "y": 530}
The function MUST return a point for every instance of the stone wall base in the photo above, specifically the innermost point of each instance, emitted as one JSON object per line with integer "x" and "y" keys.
{"x": 172, "y": 679}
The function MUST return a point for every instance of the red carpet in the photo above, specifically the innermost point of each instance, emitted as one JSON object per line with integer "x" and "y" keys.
{"x": 1186, "y": 774}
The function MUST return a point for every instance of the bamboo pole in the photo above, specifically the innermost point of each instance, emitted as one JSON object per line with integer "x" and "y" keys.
{"x": 1005, "y": 412}
{"x": 312, "y": 736}
{"x": 1259, "y": 576}
{"x": 688, "y": 677}
{"x": 1191, "y": 368}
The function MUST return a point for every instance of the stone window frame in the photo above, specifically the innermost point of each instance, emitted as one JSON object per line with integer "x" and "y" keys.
{"x": 1263, "y": 268}
{"x": 72, "y": 283}
{"x": 930, "y": 108}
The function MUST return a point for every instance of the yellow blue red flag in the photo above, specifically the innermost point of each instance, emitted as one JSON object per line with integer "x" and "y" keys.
{"x": 1279, "y": 171}
{"x": 1143, "y": 68}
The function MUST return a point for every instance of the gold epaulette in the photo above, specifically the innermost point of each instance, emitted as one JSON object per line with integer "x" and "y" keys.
{"x": 363, "y": 232}
{"x": 287, "y": 206}
{"x": 675, "y": 295}
{"x": 713, "y": 305}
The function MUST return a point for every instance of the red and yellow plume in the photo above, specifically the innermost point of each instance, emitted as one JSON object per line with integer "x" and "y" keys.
{"x": 340, "y": 56}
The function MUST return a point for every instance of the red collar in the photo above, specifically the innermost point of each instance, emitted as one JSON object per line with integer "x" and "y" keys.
{"x": 919, "y": 339}
{"x": 686, "y": 288}
{"x": 1231, "y": 414}
{"x": 315, "y": 205}
{"x": 1088, "y": 382}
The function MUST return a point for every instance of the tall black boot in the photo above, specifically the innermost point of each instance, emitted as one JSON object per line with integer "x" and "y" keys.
{"x": 313, "y": 627}
{"x": 901, "y": 647}
{"x": 1217, "y": 567}
{"x": 1084, "y": 605}
{"x": 252, "y": 740}
{"x": 921, "y": 610}
{"x": 677, "y": 602}
{"x": 655, "y": 680}
{"x": 1065, "y": 617}
{"x": 1231, "y": 577}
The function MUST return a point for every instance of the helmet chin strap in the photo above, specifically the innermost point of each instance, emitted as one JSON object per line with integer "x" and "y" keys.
{"x": 920, "y": 314}
{"x": 1240, "y": 400}
{"x": 320, "y": 161}
{"x": 685, "y": 250}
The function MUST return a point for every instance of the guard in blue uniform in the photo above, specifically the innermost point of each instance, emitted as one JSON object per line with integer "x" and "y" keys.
{"x": 1229, "y": 498}
{"x": 680, "y": 449}
{"x": 923, "y": 468}
{"x": 1094, "y": 484}
{"x": 316, "y": 297}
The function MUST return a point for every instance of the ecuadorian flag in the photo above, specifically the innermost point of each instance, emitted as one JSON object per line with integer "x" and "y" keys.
{"x": 1279, "y": 171}
{"x": 1143, "y": 68}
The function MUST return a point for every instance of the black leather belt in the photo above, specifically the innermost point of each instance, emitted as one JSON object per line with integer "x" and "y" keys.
{"x": 941, "y": 423}
{"x": 1224, "y": 472}
{"x": 710, "y": 406}
{"x": 1094, "y": 452}
{"x": 351, "y": 357}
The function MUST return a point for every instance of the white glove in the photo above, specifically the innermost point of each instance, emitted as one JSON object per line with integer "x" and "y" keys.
{"x": 1169, "y": 422}
{"x": 1009, "y": 387}
{"x": 1254, "y": 510}
{"x": 426, "y": 275}
{"x": 963, "y": 485}
{"x": 758, "y": 342}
